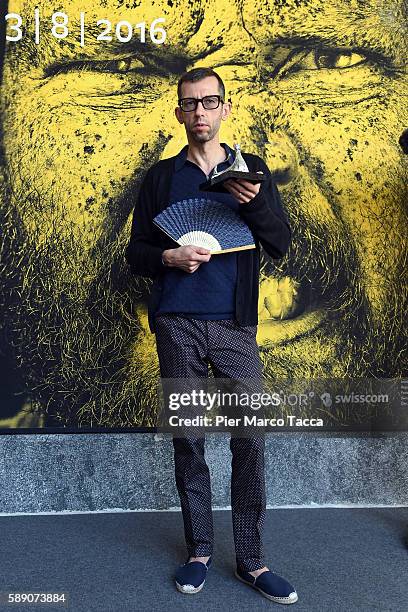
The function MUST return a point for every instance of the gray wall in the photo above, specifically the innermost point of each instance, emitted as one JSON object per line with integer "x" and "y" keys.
{"x": 89, "y": 472}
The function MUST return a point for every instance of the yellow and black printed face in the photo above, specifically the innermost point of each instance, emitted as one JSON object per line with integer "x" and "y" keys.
{"x": 319, "y": 91}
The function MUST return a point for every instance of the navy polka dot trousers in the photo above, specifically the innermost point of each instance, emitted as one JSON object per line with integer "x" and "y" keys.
{"x": 185, "y": 348}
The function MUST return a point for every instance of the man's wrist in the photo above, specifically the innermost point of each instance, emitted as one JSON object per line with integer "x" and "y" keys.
{"x": 163, "y": 258}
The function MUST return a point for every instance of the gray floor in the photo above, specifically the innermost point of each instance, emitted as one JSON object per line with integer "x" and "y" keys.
{"x": 338, "y": 559}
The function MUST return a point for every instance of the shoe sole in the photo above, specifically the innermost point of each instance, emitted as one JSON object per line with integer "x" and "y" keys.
{"x": 282, "y": 600}
{"x": 192, "y": 591}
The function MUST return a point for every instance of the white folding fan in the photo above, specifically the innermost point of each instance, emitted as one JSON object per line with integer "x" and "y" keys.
{"x": 205, "y": 223}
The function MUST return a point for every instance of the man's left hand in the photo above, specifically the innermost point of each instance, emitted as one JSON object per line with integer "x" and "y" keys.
{"x": 242, "y": 190}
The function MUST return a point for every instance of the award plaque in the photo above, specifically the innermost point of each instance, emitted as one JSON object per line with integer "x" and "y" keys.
{"x": 237, "y": 170}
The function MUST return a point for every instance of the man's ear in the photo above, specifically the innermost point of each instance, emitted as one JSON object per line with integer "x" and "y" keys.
{"x": 179, "y": 114}
{"x": 226, "y": 110}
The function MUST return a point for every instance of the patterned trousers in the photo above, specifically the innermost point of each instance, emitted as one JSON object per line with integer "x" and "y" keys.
{"x": 185, "y": 348}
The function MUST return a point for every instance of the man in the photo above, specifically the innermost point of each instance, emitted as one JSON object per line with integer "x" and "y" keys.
{"x": 319, "y": 92}
{"x": 205, "y": 312}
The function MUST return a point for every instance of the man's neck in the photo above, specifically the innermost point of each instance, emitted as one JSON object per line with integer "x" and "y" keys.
{"x": 206, "y": 154}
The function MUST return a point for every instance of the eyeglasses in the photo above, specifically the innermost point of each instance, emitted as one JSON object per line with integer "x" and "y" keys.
{"x": 209, "y": 103}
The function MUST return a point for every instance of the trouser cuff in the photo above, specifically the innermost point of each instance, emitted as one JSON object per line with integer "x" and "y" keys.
{"x": 200, "y": 551}
{"x": 250, "y": 565}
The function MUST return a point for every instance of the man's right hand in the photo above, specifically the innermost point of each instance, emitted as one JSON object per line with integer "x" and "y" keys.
{"x": 187, "y": 258}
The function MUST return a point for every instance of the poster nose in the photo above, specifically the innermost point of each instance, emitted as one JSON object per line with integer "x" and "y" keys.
{"x": 271, "y": 143}
{"x": 281, "y": 158}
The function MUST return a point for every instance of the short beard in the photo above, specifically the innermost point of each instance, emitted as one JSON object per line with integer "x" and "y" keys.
{"x": 200, "y": 138}
{"x": 85, "y": 358}
{"x": 358, "y": 343}
{"x": 73, "y": 340}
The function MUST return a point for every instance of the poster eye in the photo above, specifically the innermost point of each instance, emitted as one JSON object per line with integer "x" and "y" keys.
{"x": 114, "y": 66}
{"x": 336, "y": 58}
{"x": 127, "y": 65}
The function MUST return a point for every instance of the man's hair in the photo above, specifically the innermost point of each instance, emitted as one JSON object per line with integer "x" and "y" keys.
{"x": 197, "y": 74}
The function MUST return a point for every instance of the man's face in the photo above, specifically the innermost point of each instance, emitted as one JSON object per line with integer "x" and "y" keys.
{"x": 201, "y": 125}
{"x": 319, "y": 92}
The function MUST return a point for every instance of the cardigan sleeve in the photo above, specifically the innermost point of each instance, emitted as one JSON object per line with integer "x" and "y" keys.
{"x": 266, "y": 218}
{"x": 143, "y": 254}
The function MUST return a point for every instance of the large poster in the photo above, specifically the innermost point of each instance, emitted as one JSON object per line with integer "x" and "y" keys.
{"x": 88, "y": 91}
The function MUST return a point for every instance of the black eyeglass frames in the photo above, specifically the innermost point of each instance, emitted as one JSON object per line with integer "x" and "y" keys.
{"x": 209, "y": 103}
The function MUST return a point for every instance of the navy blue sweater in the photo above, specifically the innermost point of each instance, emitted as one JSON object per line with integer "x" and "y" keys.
{"x": 208, "y": 293}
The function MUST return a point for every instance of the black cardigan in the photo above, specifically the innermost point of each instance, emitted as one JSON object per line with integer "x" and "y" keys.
{"x": 264, "y": 215}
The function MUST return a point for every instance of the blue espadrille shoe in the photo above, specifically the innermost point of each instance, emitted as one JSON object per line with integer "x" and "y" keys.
{"x": 271, "y": 586}
{"x": 190, "y": 577}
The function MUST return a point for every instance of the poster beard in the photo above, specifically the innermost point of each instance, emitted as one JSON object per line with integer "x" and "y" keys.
{"x": 73, "y": 333}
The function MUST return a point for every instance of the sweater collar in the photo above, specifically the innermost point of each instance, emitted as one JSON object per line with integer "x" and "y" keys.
{"x": 181, "y": 157}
